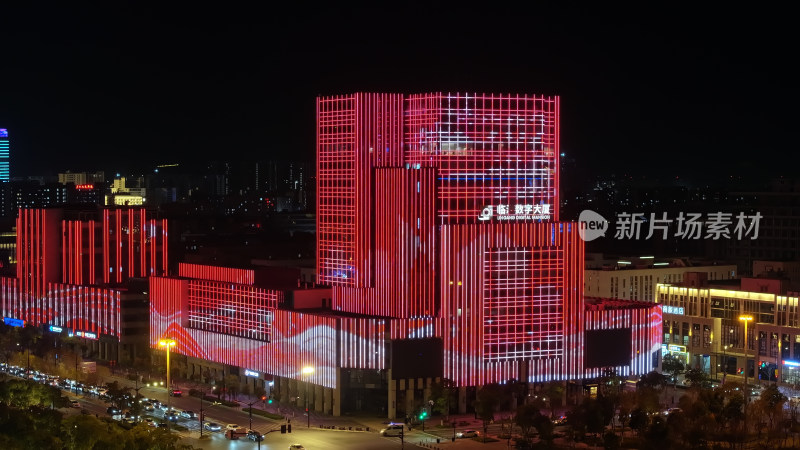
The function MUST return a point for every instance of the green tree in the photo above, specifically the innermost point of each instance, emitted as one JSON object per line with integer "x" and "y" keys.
{"x": 771, "y": 403}
{"x": 488, "y": 400}
{"x": 440, "y": 394}
{"x": 526, "y": 419}
{"x": 673, "y": 367}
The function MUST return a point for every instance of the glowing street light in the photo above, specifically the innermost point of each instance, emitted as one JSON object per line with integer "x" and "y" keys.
{"x": 307, "y": 372}
{"x": 745, "y": 318}
{"x": 167, "y": 344}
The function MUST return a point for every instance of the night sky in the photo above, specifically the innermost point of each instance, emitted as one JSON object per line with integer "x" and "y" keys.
{"x": 652, "y": 93}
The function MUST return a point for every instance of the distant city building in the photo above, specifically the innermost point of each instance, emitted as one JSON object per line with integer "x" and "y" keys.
{"x": 702, "y": 327}
{"x": 636, "y": 278}
{"x": 124, "y": 195}
{"x": 5, "y": 156}
{"x": 81, "y": 178}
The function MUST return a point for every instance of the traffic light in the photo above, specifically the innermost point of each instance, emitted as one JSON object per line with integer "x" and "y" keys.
{"x": 423, "y": 415}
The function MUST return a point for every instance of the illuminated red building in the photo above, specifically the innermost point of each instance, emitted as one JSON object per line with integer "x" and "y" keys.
{"x": 75, "y": 273}
{"x": 438, "y": 234}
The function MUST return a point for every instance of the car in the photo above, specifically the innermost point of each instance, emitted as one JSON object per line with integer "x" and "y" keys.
{"x": 394, "y": 429}
{"x": 212, "y": 426}
{"x": 75, "y": 404}
{"x": 561, "y": 420}
{"x": 188, "y": 414}
{"x": 148, "y": 407}
{"x": 467, "y": 434}
{"x": 672, "y": 411}
{"x": 296, "y": 447}
{"x": 150, "y": 422}
{"x": 163, "y": 407}
{"x": 114, "y": 411}
{"x": 172, "y": 416}
{"x": 255, "y": 436}
{"x": 175, "y": 393}
{"x": 231, "y": 426}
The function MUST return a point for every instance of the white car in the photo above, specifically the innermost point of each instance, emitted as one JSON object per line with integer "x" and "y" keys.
{"x": 393, "y": 429}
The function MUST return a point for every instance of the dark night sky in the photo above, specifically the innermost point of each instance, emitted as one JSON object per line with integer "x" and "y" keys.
{"x": 650, "y": 92}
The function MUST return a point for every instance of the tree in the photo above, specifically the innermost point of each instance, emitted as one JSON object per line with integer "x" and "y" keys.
{"x": 771, "y": 403}
{"x": 526, "y": 419}
{"x": 232, "y": 383}
{"x": 674, "y": 367}
{"x": 653, "y": 380}
{"x": 441, "y": 391}
{"x": 488, "y": 399}
{"x": 698, "y": 379}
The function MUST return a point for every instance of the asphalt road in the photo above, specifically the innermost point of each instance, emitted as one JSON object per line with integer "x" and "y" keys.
{"x": 310, "y": 438}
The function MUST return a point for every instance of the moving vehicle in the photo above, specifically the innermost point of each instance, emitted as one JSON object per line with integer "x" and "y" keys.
{"x": 75, "y": 404}
{"x": 188, "y": 414}
{"x": 231, "y": 426}
{"x": 296, "y": 447}
{"x": 393, "y": 429}
{"x": 467, "y": 434}
{"x": 114, "y": 411}
{"x": 175, "y": 393}
{"x": 212, "y": 426}
{"x": 254, "y": 436}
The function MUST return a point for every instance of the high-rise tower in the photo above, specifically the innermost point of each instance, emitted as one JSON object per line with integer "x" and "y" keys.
{"x": 5, "y": 156}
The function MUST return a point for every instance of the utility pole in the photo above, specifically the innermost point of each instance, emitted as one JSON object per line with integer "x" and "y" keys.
{"x": 250, "y": 410}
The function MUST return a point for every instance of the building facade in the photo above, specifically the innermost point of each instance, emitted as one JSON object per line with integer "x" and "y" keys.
{"x": 438, "y": 235}
{"x": 76, "y": 271}
{"x": 701, "y": 325}
{"x": 637, "y": 279}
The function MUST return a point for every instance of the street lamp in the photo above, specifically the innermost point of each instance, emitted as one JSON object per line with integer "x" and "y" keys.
{"x": 167, "y": 343}
{"x": 724, "y": 362}
{"x": 745, "y": 319}
{"x": 307, "y": 372}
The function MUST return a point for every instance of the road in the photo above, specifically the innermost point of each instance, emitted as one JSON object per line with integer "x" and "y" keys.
{"x": 310, "y": 438}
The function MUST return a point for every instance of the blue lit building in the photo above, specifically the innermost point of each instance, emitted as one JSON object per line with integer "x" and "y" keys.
{"x": 5, "y": 163}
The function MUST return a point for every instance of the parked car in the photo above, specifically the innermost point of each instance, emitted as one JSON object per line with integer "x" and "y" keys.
{"x": 114, "y": 411}
{"x": 212, "y": 426}
{"x": 467, "y": 434}
{"x": 188, "y": 414}
{"x": 150, "y": 422}
{"x": 148, "y": 406}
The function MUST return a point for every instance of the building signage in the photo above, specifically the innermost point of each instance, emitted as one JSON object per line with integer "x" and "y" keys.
{"x": 677, "y": 348}
{"x": 86, "y": 334}
{"x": 791, "y": 363}
{"x": 516, "y": 212}
{"x": 13, "y": 322}
{"x": 84, "y": 187}
{"x": 679, "y": 310}
{"x": 251, "y": 373}
{"x": 56, "y": 329}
